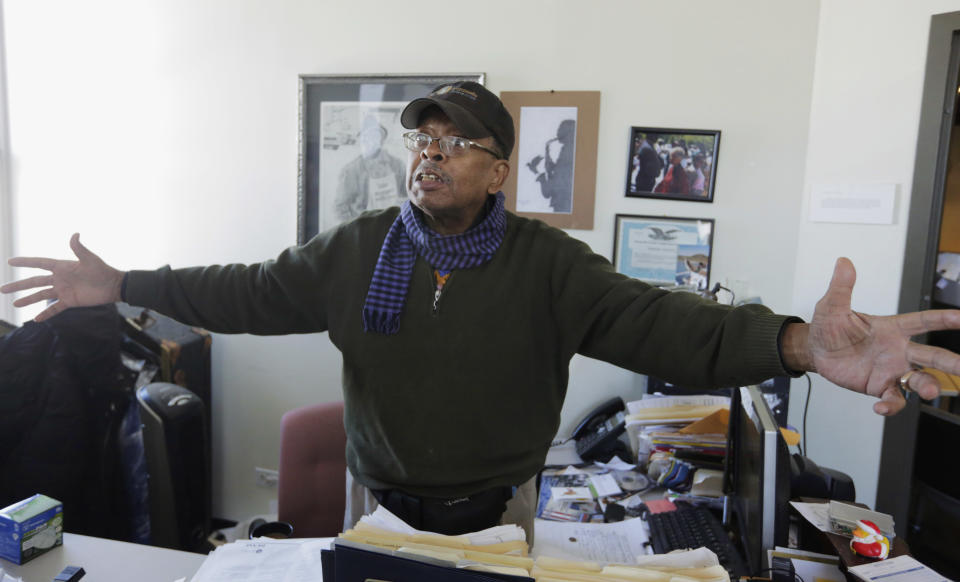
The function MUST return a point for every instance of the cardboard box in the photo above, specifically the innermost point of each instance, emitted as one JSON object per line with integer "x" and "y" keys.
{"x": 30, "y": 528}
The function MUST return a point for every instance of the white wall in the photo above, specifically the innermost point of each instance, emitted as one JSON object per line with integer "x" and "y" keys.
{"x": 166, "y": 131}
{"x": 6, "y": 213}
{"x": 863, "y": 129}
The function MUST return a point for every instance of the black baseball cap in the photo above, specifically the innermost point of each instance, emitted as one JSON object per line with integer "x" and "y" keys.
{"x": 471, "y": 107}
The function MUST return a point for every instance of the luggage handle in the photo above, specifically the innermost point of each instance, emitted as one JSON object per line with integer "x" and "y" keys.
{"x": 142, "y": 321}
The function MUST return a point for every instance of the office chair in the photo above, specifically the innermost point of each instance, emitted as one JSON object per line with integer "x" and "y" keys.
{"x": 312, "y": 470}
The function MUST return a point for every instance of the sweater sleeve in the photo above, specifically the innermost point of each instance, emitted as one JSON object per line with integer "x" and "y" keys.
{"x": 676, "y": 336}
{"x": 289, "y": 294}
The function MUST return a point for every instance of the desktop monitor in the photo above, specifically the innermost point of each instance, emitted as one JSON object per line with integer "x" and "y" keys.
{"x": 756, "y": 478}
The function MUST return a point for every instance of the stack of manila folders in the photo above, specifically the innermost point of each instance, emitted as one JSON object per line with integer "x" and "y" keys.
{"x": 498, "y": 553}
{"x": 694, "y": 424}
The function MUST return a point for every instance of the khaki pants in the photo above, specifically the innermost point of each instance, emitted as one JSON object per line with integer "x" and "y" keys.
{"x": 520, "y": 509}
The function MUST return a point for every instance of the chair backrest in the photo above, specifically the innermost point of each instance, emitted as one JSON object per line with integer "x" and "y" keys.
{"x": 311, "y": 487}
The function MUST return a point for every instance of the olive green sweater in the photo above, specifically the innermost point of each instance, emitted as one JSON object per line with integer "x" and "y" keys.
{"x": 468, "y": 394}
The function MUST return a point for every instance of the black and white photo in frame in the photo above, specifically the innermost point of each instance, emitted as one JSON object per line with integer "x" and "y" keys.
{"x": 553, "y": 168}
{"x": 363, "y": 159}
{"x": 351, "y": 157}
{"x": 547, "y": 150}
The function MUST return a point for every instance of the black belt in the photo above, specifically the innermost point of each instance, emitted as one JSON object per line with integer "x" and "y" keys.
{"x": 453, "y": 516}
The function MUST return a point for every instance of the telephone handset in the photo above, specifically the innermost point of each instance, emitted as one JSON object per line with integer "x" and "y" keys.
{"x": 598, "y": 434}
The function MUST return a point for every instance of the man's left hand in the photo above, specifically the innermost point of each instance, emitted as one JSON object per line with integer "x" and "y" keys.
{"x": 866, "y": 353}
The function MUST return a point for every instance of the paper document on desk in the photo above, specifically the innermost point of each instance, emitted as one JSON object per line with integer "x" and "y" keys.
{"x": 264, "y": 559}
{"x": 899, "y": 569}
{"x": 609, "y": 543}
{"x": 816, "y": 513}
{"x": 615, "y": 464}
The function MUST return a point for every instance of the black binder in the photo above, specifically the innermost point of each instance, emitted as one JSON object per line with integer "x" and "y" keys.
{"x": 349, "y": 563}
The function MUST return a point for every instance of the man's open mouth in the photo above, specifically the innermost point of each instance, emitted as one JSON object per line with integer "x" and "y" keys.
{"x": 428, "y": 177}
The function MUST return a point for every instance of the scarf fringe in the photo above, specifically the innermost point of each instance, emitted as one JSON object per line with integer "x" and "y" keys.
{"x": 380, "y": 321}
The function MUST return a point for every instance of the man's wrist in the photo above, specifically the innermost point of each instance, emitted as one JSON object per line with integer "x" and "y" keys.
{"x": 120, "y": 287}
{"x": 794, "y": 348}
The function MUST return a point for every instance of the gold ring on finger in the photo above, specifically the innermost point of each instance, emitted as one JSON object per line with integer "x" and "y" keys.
{"x": 905, "y": 380}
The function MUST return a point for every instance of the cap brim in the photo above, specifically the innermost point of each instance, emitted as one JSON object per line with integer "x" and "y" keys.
{"x": 468, "y": 125}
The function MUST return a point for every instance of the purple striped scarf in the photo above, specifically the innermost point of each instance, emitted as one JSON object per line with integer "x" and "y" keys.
{"x": 408, "y": 237}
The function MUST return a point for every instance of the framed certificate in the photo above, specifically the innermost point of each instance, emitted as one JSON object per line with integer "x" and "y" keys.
{"x": 664, "y": 250}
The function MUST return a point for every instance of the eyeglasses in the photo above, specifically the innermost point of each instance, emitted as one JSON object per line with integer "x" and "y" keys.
{"x": 450, "y": 145}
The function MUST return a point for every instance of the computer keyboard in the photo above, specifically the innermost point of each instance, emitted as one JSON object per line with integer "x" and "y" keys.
{"x": 692, "y": 527}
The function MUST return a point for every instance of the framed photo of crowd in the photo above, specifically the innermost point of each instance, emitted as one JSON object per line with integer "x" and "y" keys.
{"x": 663, "y": 250}
{"x": 672, "y": 164}
{"x": 351, "y": 156}
{"x": 553, "y": 173}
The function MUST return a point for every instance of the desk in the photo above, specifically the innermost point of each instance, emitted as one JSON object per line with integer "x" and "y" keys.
{"x": 108, "y": 561}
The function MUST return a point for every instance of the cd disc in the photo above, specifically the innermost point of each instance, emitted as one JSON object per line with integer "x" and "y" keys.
{"x": 631, "y": 480}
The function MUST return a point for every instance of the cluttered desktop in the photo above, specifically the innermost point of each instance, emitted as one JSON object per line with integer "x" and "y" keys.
{"x": 667, "y": 461}
{"x": 675, "y": 471}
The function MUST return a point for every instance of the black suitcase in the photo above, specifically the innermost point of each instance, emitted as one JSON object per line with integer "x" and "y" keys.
{"x": 175, "y": 441}
{"x": 181, "y": 352}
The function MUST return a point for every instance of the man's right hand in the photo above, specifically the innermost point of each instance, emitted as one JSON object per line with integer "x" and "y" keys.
{"x": 84, "y": 282}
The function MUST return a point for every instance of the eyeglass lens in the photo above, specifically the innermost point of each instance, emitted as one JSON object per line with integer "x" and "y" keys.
{"x": 450, "y": 145}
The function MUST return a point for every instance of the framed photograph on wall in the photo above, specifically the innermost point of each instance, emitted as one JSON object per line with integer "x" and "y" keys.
{"x": 673, "y": 164}
{"x": 352, "y": 157}
{"x": 664, "y": 250}
{"x": 554, "y": 162}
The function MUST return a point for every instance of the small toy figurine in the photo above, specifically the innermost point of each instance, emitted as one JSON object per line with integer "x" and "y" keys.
{"x": 869, "y": 541}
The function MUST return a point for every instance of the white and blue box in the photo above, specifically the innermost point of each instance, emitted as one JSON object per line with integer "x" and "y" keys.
{"x": 30, "y": 527}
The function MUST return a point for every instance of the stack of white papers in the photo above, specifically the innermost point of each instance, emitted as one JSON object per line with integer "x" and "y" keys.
{"x": 265, "y": 559}
{"x": 674, "y": 409}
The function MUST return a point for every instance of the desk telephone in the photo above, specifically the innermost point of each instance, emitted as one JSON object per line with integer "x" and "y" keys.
{"x": 597, "y": 436}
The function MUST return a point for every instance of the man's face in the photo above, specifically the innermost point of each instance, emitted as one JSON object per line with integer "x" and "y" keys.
{"x": 452, "y": 191}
